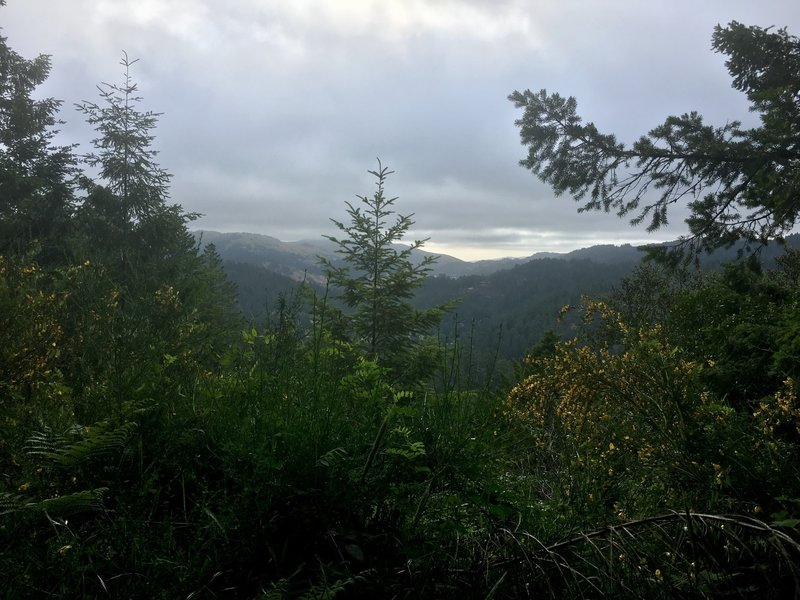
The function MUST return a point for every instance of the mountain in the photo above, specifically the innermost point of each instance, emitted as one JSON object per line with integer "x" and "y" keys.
{"x": 259, "y": 290}
{"x": 505, "y": 306}
{"x": 604, "y": 254}
{"x": 518, "y": 296}
{"x": 300, "y": 260}
{"x": 295, "y": 260}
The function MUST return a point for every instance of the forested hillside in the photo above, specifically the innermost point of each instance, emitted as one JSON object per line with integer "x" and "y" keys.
{"x": 503, "y": 311}
{"x": 156, "y": 444}
{"x": 507, "y": 310}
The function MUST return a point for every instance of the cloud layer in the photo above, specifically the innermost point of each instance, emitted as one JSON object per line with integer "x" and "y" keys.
{"x": 274, "y": 111}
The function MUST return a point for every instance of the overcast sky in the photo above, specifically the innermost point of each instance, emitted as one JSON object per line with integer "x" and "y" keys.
{"x": 274, "y": 110}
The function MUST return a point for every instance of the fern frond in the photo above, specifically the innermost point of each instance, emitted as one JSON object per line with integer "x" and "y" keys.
{"x": 10, "y": 503}
{"x": 331, "y": 457}
{"x": 97, "y": 440}
{"x": 70, "y": 504}
{"x": 44, "y": 443}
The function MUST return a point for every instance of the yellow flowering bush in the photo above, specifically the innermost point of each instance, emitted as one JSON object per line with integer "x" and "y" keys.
{"x": 781, "y": 411}
{"x": 30, "y": 334}
{"x": 621, "y": 416}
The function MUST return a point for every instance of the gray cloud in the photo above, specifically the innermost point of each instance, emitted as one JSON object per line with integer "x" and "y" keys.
{"x": 274, "y": 111}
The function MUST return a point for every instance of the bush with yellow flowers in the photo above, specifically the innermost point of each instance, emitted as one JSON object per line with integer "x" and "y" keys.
{"x": 625, "y": 427}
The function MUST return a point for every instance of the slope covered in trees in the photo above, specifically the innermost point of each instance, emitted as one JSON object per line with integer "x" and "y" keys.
{"x": 152, "y": 445}
{"x": 502, "y": 313}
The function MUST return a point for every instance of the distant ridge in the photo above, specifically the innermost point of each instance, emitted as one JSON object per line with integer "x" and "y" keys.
{"x": 299, "y": 260}
{"x": 505, "y": 304}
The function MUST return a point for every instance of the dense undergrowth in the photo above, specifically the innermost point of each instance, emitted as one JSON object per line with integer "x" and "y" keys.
{"x": 288, "y": 465}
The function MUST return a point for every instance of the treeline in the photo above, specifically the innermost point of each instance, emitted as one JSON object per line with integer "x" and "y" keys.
{"x": 501, "y": 314}
{"x": 153, "y": 445}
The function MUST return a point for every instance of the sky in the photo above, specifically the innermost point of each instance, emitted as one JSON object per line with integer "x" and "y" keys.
{"x": 274, "y": 111}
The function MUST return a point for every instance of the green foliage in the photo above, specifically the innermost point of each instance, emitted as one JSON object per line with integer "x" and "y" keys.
{"x": 98, "y": 440}
{"x": 672, "y": 555}
{"x": 732, "y": 321}
{"x": 32, "y": 342}
{"x": 615, "y": 420}
{"x": 631, "y": 425}
{"x": 36, "y": 177}
{"x": 646, "y": 297}
{"x": 56, "y": 507}
{"x": 739, "y": 183}
{"x": 125, "y": 158}
{"x": 377, "y": 280}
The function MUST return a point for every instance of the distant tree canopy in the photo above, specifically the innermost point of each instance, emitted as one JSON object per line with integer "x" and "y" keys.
{"x": 740, "y": 184}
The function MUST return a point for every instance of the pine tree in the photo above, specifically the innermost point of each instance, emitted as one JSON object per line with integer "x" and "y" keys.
{"x": 740, "y": 184}
{"x": 377, "y": 279}
{"x": 36, "y": 176}
{"x": 127, "y": 221}
{"x": 167, "y": 298}
{"x": 124, "y": 152}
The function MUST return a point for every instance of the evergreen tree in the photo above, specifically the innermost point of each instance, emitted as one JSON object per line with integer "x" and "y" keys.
{"x": 128, "y": 217}
{"x": 124, "y": 153}
{"x": 166, "y": 299}
{"x": 36, "y": 176}
{"x": 127, "y": 220}
{"x": 739, "y": 183}
{"x": 377, "y": 279}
